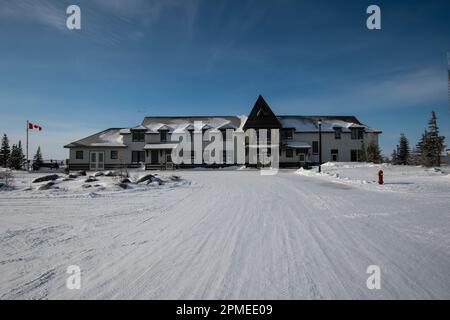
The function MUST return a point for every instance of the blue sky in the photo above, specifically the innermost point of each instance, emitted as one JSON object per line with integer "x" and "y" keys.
{"x": 180, "y": 57}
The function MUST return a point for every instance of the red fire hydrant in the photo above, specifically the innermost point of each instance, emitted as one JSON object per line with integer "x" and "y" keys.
{"x": 380, "y": 177}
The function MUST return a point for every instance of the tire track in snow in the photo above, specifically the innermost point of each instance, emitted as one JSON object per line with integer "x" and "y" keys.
{"x": 236, "y": 235}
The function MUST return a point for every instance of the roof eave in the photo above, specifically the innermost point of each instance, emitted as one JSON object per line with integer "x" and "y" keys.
{"x": 86, "y": 146}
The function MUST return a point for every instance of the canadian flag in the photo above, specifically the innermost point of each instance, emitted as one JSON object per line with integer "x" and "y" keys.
{"x": 32, "y": 126}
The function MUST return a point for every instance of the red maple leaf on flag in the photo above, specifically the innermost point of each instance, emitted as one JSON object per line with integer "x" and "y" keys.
{"x": 32, "y": 126}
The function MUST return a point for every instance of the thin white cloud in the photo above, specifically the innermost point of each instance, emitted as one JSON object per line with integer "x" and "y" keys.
{"x": 44, "y": 12}
{"x": 149, "y": 10}
{"x": 400, "y": 90}
{"x": 105, "y": 21}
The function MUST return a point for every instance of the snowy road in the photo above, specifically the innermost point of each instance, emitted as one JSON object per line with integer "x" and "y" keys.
{"x": 228, "y": 235}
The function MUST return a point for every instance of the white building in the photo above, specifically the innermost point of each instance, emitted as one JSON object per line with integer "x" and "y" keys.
{"x": 149, "y": 143}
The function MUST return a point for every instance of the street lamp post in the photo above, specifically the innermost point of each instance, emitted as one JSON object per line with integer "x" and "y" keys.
{"x": 320, "y": 145}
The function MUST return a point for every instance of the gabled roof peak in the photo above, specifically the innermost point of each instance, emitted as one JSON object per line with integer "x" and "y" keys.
{"x": 262, "y": 116}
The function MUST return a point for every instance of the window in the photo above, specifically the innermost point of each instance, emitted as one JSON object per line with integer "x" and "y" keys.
{"x": 354, "y": 155}
{"x": 315, "y": 147}
{"x": 301, "y": 157}
{"x": 163, "y": 136}
{"x": 286, "y": 134}
{"x": 299, "y": 152}
{"x": 289, "y": 153}
{"x": 357, "y": 133}
{"x": 337, "y": 133}
{"x": 138, "y": 136}
{"x": 137, "y": 156}
{"x": 79, "y": 155}
{"x": 334, "y": 155}
{"x": 114, "y": 154}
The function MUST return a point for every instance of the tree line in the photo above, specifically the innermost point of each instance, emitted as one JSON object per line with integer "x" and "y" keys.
{"x": 427, "y": 151}
{"x": 14, "y": 157}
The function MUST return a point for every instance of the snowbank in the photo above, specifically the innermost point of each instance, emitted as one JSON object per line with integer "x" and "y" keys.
{"x": 36, "y": 185}
{"x": 396, "y": 178}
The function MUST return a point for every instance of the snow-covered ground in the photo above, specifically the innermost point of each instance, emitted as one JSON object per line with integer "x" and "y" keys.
{"x": 407, "y": 179}
{"x": 230, "y": 235}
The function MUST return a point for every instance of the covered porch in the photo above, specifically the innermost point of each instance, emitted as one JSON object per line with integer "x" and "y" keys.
{"x": 158, "y": 156}
{"x": 294, "y": 153}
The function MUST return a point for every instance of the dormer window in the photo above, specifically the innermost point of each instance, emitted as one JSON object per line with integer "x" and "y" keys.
{"x": 357, "y": 133}
{"x": 138, "y": 136}
{"x": 286, "y": 134}
{"x": 337, "y": 133}
{"x": 163, "y": 134}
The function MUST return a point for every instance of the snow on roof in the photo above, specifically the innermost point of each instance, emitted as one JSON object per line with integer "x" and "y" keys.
{"x": 165, "y": 127}
{"x": 139, "y": 127}
{"x": 114, "y": 137}
{"x": 107, "y": 138}
{"x": 181, "y": 124}
{"x": 299, "y": 123}
{"x": 297, "y": 144}
{"x": 226, "y": 126}
{"x": 157, "y": 127}
{"x": 329, "y": 123}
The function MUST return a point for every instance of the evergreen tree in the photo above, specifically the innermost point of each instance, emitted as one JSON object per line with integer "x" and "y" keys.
{"x": 394, "y": 156}
{"x": 374, "y": 153}
{"x": 403, "y": 150}
{"x": 37, "y": 159}
{"x": 5, "y": 151}
{"x": 15, "y": 161}
{"x": 435, "y": 142}
{"x": 422, "y": 153}
{"x": 21, "y": 155}
{"x": 415, "y": 157}
{"x": 430, "y": 145}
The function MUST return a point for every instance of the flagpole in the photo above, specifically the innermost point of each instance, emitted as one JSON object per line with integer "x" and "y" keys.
{"x": 28, "y": 166}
